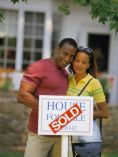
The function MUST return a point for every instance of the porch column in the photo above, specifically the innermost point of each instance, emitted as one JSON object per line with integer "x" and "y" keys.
{"x": 20, "y": 37}
{"x": 48, "y": 28}
{"x": 113, "y": 66}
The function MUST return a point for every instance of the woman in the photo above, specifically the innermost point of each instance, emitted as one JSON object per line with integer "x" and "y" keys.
{"x": 83, "y": 69}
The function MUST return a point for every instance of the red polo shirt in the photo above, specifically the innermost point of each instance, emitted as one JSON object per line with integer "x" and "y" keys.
{"x": 48, "y": 79}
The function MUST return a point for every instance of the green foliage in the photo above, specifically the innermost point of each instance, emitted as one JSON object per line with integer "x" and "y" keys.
{"x": 13, "y": 1}
{"x": 103, "y": 10}
{"x": 1, "y": 16}
{"x": 16, "y": 1}
{"x": 81, "y": 2}
{"x": 64, "y": 9}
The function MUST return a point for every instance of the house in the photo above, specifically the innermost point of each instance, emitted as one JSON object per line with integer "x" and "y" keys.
{"x": 30, "y": 32}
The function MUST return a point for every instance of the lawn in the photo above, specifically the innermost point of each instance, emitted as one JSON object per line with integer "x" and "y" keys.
{"x": 20, "y": 154}
{"x": 11, "y": 154}
{"x": 115, "y": 154}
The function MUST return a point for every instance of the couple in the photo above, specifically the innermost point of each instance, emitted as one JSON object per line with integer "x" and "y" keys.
{"x": 48, "y": 77}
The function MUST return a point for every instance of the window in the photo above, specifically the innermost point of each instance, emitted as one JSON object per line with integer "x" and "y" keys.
{"x": 100, "y": 44}
{"x": 33, "y": 37}
{"x": 8, "y": 33}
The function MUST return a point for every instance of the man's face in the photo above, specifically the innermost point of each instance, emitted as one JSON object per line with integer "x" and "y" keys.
{"x": 65, "y": 55}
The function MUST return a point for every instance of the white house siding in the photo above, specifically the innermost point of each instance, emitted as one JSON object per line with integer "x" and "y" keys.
{"x": 77, "y": 25}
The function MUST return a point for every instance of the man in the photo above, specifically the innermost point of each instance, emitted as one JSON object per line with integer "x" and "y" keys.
{"x": 45, "y": 77}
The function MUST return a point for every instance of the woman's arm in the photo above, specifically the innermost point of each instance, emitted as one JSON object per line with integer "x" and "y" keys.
{"x": 101, "y": 111}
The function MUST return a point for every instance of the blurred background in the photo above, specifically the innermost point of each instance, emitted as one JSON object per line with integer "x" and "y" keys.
{"x": 30, "y": 32}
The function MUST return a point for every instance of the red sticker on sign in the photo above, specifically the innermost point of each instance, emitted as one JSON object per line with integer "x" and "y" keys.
{"x": 65, "y": 118}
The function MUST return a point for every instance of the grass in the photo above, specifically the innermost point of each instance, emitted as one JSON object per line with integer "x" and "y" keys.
{"x": 20, "y": 154}
{"x": 11, "y": 154}
{"x": 114, "y": 154}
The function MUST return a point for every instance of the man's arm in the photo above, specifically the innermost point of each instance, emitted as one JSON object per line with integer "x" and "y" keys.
{"x": 25, "y": 95}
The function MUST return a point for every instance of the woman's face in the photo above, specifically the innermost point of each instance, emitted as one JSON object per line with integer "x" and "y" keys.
{"x": 81, "y": 63}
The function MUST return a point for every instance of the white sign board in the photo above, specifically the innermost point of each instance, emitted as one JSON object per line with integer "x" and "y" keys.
{"x": 51, "y": 107}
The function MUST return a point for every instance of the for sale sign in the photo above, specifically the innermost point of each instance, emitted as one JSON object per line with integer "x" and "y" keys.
{"x": 65, "y": 118}
{"x": 65, "y": 115}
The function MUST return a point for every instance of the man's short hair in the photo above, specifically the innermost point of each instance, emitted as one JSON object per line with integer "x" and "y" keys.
{"x": 70, "y": 41}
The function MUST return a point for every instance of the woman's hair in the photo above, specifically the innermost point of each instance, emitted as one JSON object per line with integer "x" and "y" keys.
{"x": 93, "y": 66}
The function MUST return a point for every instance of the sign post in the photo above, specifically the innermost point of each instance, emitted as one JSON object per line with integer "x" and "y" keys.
{"x": 65, "y": 115}
{"x": 64, "y": 150}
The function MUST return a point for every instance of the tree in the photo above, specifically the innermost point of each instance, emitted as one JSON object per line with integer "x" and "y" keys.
{"x": 13, "y": 1}
{"x": 103, "y": 10}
